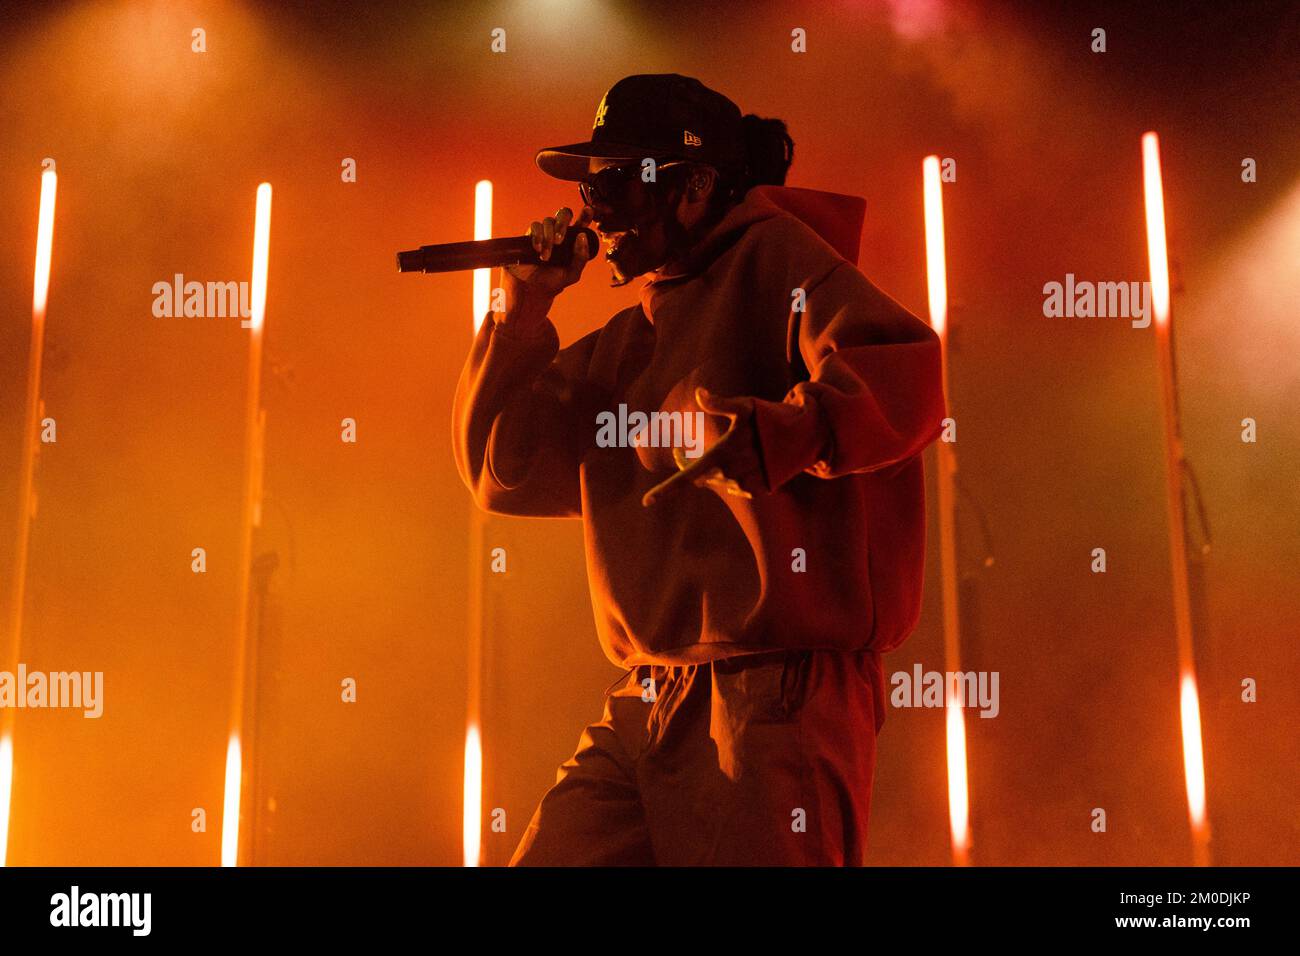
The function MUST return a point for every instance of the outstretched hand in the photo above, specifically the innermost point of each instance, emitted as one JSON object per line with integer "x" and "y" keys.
{"x": 731, "y": 465}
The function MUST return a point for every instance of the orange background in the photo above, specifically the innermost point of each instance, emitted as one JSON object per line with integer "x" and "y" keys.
{"x": 159, "y": 151}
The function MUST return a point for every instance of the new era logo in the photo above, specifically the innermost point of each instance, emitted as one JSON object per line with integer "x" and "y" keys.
{"x": 690, "y": 138}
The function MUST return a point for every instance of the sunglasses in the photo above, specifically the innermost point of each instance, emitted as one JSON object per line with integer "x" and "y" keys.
{"x": 609, "y": 185}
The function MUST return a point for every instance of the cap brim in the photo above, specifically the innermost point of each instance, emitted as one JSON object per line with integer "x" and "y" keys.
{"x": 573, "y": 162}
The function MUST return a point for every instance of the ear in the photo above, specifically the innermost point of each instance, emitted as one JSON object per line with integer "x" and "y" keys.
{"x": 701, "y": 183}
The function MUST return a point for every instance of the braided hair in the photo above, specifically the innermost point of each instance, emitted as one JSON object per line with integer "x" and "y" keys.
{"x": 769, "y": 151}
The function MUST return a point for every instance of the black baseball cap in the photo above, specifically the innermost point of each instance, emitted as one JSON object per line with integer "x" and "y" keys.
{"x": 664, "y": 115}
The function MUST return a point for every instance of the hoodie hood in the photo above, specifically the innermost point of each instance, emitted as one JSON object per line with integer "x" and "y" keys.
{"x": 836, "y": 218}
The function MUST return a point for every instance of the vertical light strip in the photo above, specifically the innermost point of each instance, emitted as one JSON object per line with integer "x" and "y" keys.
{"x": 261, "y": 254}
{"x": 230, "y": 805}
{"x": 955, "y": 722}
{"x": 473, "y": 795}
{"x": 482, "y": 230}
{"x": 13, "y": 640}
{"x": 44, "y": 242}
{"x": 6, "y": 791}
{"x": 472, "y": 807}
{"x": 935, "y": 258}
{"x": 1157, "y": 250}
{"x": 1189, "y": 706}
{"x": 958, "y": 796}
{"x": 230, "y": 819}
{"x": 1193, "y": 757}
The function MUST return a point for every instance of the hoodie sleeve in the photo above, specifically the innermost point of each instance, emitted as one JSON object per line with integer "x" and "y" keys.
{"x": 874, "y": 395}
{"x": 516, "y": 437}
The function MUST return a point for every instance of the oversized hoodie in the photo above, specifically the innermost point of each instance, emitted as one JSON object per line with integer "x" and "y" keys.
{"x": 770, "y": 304}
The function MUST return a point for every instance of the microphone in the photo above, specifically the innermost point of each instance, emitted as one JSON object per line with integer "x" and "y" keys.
{"x": 487, "y": 253}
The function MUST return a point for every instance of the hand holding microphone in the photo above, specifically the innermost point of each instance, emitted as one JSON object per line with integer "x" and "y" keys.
{"x": 552, "y": 279}
{"x": 536, "y": 267}
{"x": 531, "y": 288}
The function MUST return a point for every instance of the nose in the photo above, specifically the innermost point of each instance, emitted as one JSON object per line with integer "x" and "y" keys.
{"x": 604, "y": 218}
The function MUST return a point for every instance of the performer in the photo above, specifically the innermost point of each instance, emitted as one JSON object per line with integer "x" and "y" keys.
{"x": 749, "y": 591}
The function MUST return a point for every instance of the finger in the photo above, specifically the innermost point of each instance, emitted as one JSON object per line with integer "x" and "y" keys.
{"x": 665, "y": 487}
{"x": 689, "y": 472}
{"x": 708, "y": 461}
{"x": 718, "y": 404}
{"x": 580, "y": 256}
{"x": 695, "y": 469}
{"x": 736, "y": 491}
{"x": 713, "y": 478}
{"x": 535, "y": 234}
{"x": 721, "y": 483}
{"x": 562, "y": 223}
{"x": 548, "y": 237}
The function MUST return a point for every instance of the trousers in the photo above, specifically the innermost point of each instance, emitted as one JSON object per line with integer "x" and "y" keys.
{"x": 760, "y": 760}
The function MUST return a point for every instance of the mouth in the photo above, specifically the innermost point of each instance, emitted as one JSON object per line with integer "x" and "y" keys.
{"x": 615, "y": 240}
